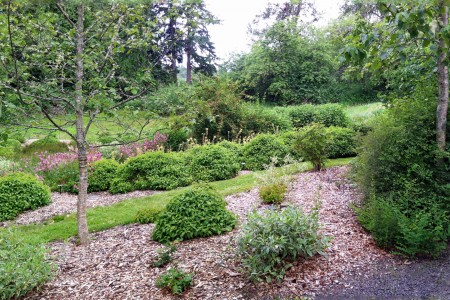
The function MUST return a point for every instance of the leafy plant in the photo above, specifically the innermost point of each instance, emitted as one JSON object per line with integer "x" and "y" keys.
{"x": 272, "y": 240}
{"x": 147, "y": 215}
{"x": 260, "y": 150}
{"x": 175, "y": 281}
{"x": 341, "y": 142}
{"x": 164, "y": 256}
{"x": 20, "y": 192}
{"x": 326, "y": 114}
{"x": 311, "y": 144}
{"x": 273, "y": 194}
{"x": 212, "y": 163}
{"x": 10, "y": 148}
{"x": 102, "y": 172}
{"x": 49, "y": 144}
{"x": 152, "y": 170}
{"x": 198, "y": 212}
{"x": 23, "y": 267}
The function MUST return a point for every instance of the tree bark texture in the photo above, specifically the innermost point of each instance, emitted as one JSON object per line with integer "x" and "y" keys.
{"x": 442, "y": 71}
{"x": 80, "y": 135}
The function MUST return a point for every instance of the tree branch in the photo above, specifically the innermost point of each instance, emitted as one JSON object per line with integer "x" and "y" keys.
{"x": 64, "y": 13}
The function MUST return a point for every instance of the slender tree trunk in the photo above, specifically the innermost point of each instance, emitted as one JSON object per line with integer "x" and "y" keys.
{"x": 173, "y": 51}
{"x": 80, "y": 135}
{"x": 442, "y": 71}
{"x": 188, "y": 65}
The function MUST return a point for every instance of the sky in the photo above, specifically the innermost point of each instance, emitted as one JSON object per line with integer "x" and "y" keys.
{"x": 231, "y": 35}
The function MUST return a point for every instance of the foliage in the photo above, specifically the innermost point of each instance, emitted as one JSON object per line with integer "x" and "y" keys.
{"x": 20, "y": 192}
{"x": 260, "y": 150}
{"x": 10, "y": 148}
{"x": 327, "y": 114}
{"x": 152, "y": 170}
{"x": 312, "y": 143}
{"x": 49, "y": 144}
{"x": 273, "y": 194}
{"x": 101, "y": 173}
{"x": 259, "y": 119}
{"x": 147, "y": 215}
{"x": 171, "y": 99}
{"x": 270, "y": 241}
{"x": 286, "y": 66}
{"x": 63, "y": 177}
{"x": 174, "y": 280}
{"x": 164, "y": 256}
{"x": 198, "y": 212}
{"x": 6, "y": 166}
{"x": 134, "y": 149}
{"x": 341, "y": 142}
{"x": 212, "y": 163}
{"x": 23, "y": 267}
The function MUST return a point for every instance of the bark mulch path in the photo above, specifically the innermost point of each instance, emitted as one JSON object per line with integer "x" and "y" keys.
{"x": 65, "y": 203}
{"x": 115, "y": 265}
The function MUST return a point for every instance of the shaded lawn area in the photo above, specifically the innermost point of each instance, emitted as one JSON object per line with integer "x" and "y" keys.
{"x": 122, "y": 213}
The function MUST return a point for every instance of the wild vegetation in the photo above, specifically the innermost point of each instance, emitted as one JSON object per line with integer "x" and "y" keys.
{"x": 92, "y": 102}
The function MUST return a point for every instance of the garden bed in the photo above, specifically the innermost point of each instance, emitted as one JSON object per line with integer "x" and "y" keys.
{"x": 115, "y": 265}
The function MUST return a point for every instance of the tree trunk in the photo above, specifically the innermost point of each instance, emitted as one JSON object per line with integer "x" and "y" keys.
{"x": 442, "y": 71}
{"x": 80, "y": 135}
{"x": 188, "y": 65}
{"x": 173, "y": 50}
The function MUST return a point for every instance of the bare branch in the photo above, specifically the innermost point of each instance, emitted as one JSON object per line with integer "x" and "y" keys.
{"x": 64, "y": 13}
{"x": 47, "y": 115}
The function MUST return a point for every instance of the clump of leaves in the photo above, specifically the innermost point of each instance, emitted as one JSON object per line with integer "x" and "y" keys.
{"x": 147, "y": 215}
{"x": 273, "y": 194}
{"x": 198, "y": 212}
{"x": 164, "y": 256}
{"x": 174, "y": 280}
{"x": 22, "y": 266}
{"x": 312, "y": 145}
{"x": 271, "y": 240}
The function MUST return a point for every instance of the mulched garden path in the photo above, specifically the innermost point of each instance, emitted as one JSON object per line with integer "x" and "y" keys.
{"x": 116, "y": 264}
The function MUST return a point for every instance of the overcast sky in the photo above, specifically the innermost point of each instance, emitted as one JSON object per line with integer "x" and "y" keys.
{"x": 231, "y": 35}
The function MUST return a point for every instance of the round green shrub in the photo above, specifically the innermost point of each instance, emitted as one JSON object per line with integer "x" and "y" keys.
{"x": 289, "y": 138}
{"x": 152, "y": 171}
{"x": 326, "y": 114}
{"x": 198, "y": 212}
{"x": 259, "y": 151}
{"x": 212, "y": 162}
{"x": 20, "y": 192}
{"x": 147, "y": 215}
{"x": 23, "y": 266}
{"x": 234, "y": 147}
{"x": 9, "y": 148}
{"x": 341, "y": 142}
{"x": 312, "y": 143}
{"x": 102, "y": 172}
{"x": 273, "y": 194}
{"x": 302, "y": 115}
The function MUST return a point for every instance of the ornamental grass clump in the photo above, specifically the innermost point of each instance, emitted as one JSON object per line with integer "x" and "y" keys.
{"x": 198, "y": 212}
{"x": 270, "y": 241}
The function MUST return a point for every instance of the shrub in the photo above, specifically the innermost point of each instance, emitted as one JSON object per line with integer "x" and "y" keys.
{"x": 23, "y": 267}
{"x": 381, "y": 218}
{"x": 10, "y": 148}
{"x": 273, "y": 194}
{"x": 233, "y": 147}
{"x": 164, "y": 256}
{"x": 260, "y": 150}
{"x": 198, "y": 212}
{"x": 311, "y": 144}
{"x": 102, "y": 172}
{"x": 327, "y": 114}
{"x": 289, "y": 138}
{"x": 271, "y": 240}
{"x": 48, "y": 144}
{"x": 175, "y": 281}
{"x": 341, "y": 142}
{"x": 152, "y": 170}
{"x": 147, "y": 215}
{"x": 212, "y": 163}
{"x": 260, "y": 119}
{"x": 20, "y": 192}
{"x": 6, "y": 165}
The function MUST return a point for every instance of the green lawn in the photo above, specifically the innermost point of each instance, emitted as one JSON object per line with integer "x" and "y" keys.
{"x": 101, "y": 218}
{"x": 363, "y": 111}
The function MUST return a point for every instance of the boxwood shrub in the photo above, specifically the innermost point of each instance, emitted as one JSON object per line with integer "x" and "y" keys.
{"x": 259, "y": 151}
{"x": 341, "y": 142}
{"x": 212, "y": 163}
{"x": 152, "y": 171}
{"x": 198, "y": 212}
{"x": 326, "y": 114}
{"x": 20, "y": 192}
{"x": 102, "y": 172}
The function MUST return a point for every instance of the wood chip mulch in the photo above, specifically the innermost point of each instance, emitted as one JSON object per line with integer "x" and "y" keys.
{"x": 116, "y": 264}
